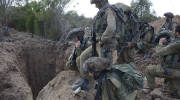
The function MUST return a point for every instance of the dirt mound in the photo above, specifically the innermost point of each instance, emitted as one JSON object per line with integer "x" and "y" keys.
{"x": 13, "y": 85}
{"x": 159, "y": 23}
{"x": 60, "y": 88}
{"x": 27, "y": 64}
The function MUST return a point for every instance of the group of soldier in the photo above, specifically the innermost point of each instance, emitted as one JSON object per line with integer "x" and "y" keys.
{"x": 106, "y": 53}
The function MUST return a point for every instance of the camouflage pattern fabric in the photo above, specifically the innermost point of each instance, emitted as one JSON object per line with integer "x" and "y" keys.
{"x": 121, "y": 80}
{"x": 153, "y": 71}
{"x": 169, "y": 26}
{"x": 76, "y": 66}
{"x": 146, "y": 38}
{"x": 106, "y": 29}
{"x": 123, "y": 87}
{"x": 170, "y": 61}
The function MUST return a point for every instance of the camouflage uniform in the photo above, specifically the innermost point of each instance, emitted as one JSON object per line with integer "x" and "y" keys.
{"x": 169, "y": 25}
{"x": 107, "y": 25}
{"x": 169, "y": 68}
{"x": 128, "y": 34}
{"x": 77, "y": 32}
{"x": 112, "y": 32}
{"x": 75, "y": 66}
{"x": 146, "y": 37}
{"x": 117, "y": 82}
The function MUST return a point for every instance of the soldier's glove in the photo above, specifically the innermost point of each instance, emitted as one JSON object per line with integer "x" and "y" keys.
{"x": 82, "y": 84}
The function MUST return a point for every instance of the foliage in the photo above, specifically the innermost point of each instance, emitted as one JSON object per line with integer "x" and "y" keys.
{"x": 76, "y": 20}
{"x": 143, "y": 10}
{"x": 45, "y": 18}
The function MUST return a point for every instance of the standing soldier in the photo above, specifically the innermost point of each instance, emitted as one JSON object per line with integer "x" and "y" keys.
{"x": 113, "y": 42}
{"x": 169, "y": 24}
{"x": 146, "y": 37}
{"x": 107, "y": 23}
{"x": 169, "y": 68}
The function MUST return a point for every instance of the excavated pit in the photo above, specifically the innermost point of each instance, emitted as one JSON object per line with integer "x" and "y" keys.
{"x": 27, "y": 65}
{"x": 40, "y": 67}
{"x": 42, "y": 64}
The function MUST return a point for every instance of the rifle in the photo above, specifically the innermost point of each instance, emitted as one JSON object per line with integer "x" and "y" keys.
{"x": 93, "y": 38}
{"x": 102, "y": 78}
{"x": 73, "y": 59}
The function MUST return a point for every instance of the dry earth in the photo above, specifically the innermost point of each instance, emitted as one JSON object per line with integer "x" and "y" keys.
{"x": 28, "y": 64}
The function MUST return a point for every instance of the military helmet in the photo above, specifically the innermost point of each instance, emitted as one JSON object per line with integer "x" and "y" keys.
{"x": 76, "y": 32}
{"x": 163, "y": 34}
{"x": 94, "y": 1}
{"x": 96, "y": 64}
{"x": 169, "y": 15}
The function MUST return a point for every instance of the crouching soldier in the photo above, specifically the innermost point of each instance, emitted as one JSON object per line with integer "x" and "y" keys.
{"x": 113, "y": 82}
{"x": 77, "y": 36}
{"x": 169, "y": 67}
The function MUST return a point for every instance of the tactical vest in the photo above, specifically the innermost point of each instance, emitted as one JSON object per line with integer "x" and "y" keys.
{"x": 173, "y": 60}
{"x": 144, "y": 31}
{"x": 101, "y": 21}
{"x": 168, "y": 26}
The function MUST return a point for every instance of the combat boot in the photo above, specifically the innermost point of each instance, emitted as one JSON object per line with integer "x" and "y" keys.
{"x": 81, "y": 84}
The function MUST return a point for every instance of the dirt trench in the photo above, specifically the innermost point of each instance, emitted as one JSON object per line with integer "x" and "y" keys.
{"x": 27, "y": 65}
{"x": 41, "y": 65}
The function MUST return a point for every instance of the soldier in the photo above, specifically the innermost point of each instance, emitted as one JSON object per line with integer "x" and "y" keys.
{"x": 169, "y": 24}
{"x": 77, "y": 36}
{"x": 104, "y": 27}
{"x": 147, "y": 36}
{"x": 169, "y": 68}
{"x": 113, "y": 42}
{"x": 114, "y": 82}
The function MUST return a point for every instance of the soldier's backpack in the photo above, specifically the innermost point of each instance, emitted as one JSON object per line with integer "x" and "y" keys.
{"x": 131, "y": 25}
{"x": 125, "y": 21}
{"x": 127, "y": 83}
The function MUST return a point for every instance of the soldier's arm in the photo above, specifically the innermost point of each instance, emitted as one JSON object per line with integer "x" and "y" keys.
{"x": 174, "y": 27}
{"x": 170, "y": 49}
{"x": 111, "y": 26}
{"x": 146, "y": 41}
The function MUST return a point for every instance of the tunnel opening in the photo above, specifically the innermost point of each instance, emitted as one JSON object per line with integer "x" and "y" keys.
{"x": 40, "y": 67}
